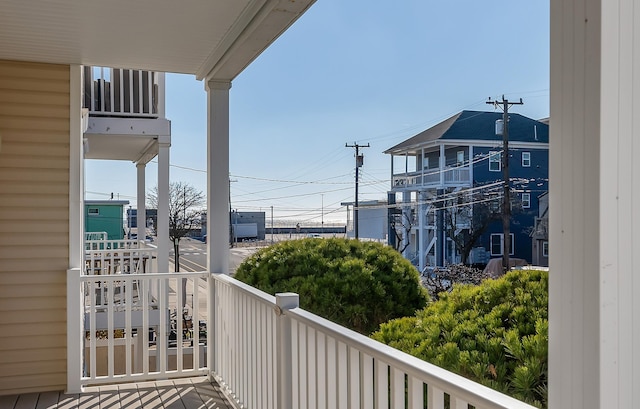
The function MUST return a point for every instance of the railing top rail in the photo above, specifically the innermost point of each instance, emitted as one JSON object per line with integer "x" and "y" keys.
{"x": 122, "y": 250}
{"x": 144, "y": 276}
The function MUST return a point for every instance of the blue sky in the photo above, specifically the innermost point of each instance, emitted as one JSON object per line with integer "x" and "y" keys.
{"x": 360, "y": 71}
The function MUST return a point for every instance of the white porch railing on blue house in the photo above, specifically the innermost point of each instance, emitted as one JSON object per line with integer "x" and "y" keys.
{"x": 266, "y": 352}
{"x": 451, "y": 176}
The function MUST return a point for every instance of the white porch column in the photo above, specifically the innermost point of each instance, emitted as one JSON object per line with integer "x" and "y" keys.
{"x": 441, "y": 163}
{"x": 75, "y": 315}
{"x": 594, "y": 333}
{"x": 422, "y": 230}
{"x": 141, "y": 209}
{"x": 471, "y": 165}
{"x": 162, "y": 229}
{"x": 218, "y": 176}
{"x": 406, "y": 222}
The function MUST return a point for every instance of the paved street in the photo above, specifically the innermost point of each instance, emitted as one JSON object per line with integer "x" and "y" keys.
{"x": 193, "y": 256}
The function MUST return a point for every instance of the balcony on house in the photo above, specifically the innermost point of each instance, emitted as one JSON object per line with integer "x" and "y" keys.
{"x": 115, "y": 92}
{"x": 439, "y": 167}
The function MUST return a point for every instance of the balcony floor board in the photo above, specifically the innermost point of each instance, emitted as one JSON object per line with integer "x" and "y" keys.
{"x": 186, "y": 393}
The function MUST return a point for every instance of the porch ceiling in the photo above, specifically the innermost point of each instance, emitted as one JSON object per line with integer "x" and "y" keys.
{"x": 211, "y": 39}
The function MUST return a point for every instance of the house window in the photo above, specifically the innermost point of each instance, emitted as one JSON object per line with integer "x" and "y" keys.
{"x": 545, "y": 249}
{"x": 93, "y": 211}
{"x": 526, "y": 200}
{"x": 494, "y": 162}
{"x": 460, "y": 157}
{"x": 526, "y": 159}
{"x": 425, "y": 162}
{"x": 497, "y": 244}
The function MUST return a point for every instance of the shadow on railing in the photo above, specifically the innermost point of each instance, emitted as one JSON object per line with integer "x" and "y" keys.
{"x": 270, "y": 354}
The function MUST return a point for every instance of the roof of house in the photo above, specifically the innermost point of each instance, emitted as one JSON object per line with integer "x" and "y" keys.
{"x": 478, "y": 125}
{"x": 106, "y": 202}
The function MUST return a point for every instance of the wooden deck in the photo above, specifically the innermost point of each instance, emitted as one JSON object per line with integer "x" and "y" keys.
{"x": 184, "y": 393}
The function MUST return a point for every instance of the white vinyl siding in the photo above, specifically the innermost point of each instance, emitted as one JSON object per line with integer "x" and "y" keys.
{"x": 34, "y": 225}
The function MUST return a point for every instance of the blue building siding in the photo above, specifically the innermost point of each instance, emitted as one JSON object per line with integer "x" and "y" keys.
{"x": 533, "y": 180}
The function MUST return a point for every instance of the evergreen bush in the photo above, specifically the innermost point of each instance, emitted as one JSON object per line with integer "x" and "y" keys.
{"x": 356, "y": 284}
{"x": 495, "y": 333}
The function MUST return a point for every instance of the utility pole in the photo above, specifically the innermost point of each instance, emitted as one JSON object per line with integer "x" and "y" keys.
{"x": 231, "y": 229}
{"x": 505, "y": 104}
{"x": 322, "y": 215}
{"x": 272, "y": 224}
{"x": 359, "y": 163}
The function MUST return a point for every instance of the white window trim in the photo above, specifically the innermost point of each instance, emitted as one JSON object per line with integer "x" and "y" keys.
{"x": 526, "y": 162}
{"x": 425, "y": 162}
{"x": 512, "y": 244}
{"x": 492, "y": 155}
{"x": 93, "y": 213}
{"x": 460, "y": 162}
{"x": 527, "y": 200}
{"x": 545, "y": 249}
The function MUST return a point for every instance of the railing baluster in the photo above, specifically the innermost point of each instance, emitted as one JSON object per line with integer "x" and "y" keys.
{"x": 342, "y": 375}
{"x": 128, "y": 304}
{"x": 92, "y": 330}
{"x": 354, "y": 378}
{"x": 415, "y": 393}
{"x": 381, "y": 385}
{"x": 367, "y": 380}
{"x": 180, "y": 285}
{"x": 397, "y": 388}
{"x": 435, "y": 397}
{"x": 195, "y": 323}
{"x": 145, "y": 325}
{"x": 109, "y": 299}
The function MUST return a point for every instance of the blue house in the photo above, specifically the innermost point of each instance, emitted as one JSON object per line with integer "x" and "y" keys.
{"x": 449, "y": 179}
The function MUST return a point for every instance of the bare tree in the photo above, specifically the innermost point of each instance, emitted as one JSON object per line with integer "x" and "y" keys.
{"x": 476, "y": 212}
{"x": 467, "y": 217}
{"x": 185, "y": 210}
{"x": 401, "y": 223}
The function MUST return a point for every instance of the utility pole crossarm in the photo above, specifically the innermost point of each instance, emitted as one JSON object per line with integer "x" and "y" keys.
{"x": 505, "y": 104}
{"x": 359, "y": 163}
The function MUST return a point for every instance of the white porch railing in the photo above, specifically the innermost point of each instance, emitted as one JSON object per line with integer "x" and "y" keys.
{"x": 265, "y": 351}
{"x": 269, "y": 354}
{"x": 119, "y": 257}
{"x": 135, "y": 327}
{"x": 123, "y": 92}
{"x": 453, "y": 176}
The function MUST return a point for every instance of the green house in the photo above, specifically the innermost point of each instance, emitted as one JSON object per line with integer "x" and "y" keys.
{"x": 105, "y": 216}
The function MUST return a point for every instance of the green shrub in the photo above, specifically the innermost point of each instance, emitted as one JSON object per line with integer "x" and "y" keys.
{"x": 494, "y": 333}
{"x": 356, "y": 284}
